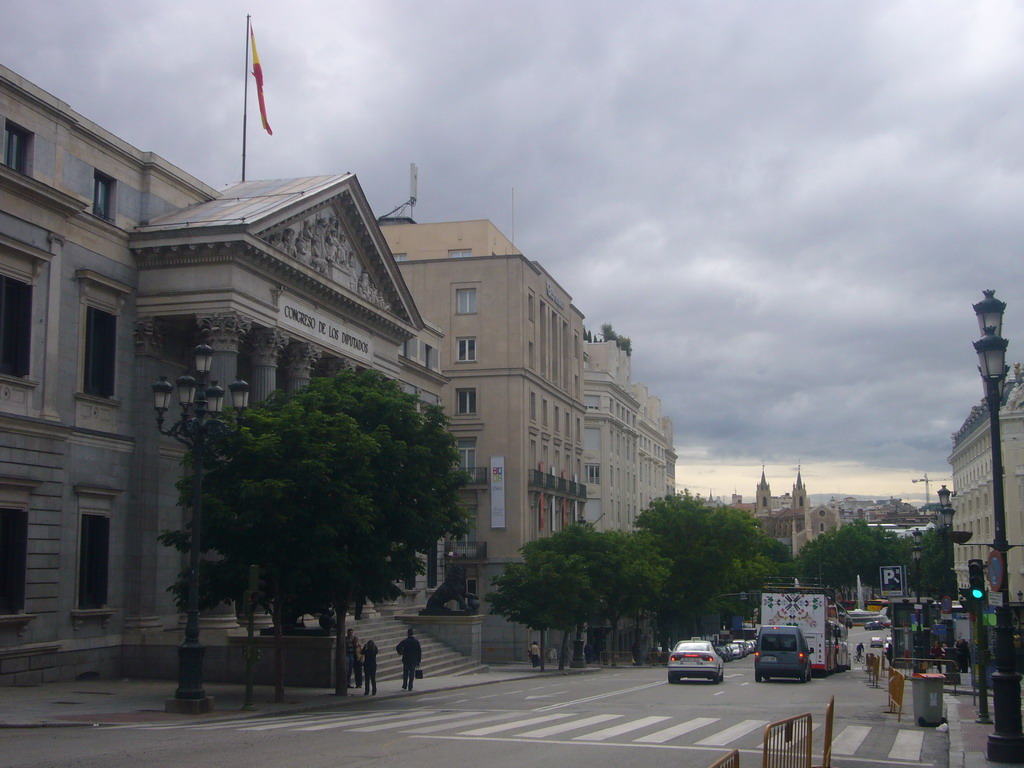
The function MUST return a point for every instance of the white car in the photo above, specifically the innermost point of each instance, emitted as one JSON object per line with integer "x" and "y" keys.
{"x": 695, "y": 658}
{"x": 876, "y": 642}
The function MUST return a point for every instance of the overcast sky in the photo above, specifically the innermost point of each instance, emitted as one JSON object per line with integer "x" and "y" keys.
{"x": 788, "y": 206}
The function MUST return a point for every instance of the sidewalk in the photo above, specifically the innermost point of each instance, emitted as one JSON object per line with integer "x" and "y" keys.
{"x": 967, "y": 739}
{"x": 106, "y": 702}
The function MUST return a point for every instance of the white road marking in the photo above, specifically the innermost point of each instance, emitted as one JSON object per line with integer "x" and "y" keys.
{"x": 474, "y": 721}
{"x": 722, "y": 738}
{"x": 660, "y": 737}
{"x": 850, "y": 739}
{"x": 600, "y": 696}
{"x": 416, "y": 721}
{"x": 347, "y": 722}
{"x": 618, "y": 730}
{"x": 907, "y": 745}
{"x": 552, "y": 730}
{"x": 510, "y": 726}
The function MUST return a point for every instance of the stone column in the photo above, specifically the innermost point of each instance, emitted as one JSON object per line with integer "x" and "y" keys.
{"x": 224, "y": 333}
{"x": 299, "y": 361}
{"x": 265, "y": 348}
{"x": 332, "y": 366}
{"x": 144, "y": 595}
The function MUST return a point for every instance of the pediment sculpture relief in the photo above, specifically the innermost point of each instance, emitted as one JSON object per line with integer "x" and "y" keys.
{"x": 320, "y": 242}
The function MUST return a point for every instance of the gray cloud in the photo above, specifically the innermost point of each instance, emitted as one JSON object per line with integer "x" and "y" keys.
{"x": 789, "y": 207}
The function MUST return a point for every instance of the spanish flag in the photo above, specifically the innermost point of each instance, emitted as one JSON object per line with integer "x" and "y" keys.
{"x": 257, "y": 72}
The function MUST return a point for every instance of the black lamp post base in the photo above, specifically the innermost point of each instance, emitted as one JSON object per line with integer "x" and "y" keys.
{"x": 189, "y": 706}
{"x": 1004, "y": 749}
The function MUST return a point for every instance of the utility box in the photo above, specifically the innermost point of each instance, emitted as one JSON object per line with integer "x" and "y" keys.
{"x": 928, "y": 698}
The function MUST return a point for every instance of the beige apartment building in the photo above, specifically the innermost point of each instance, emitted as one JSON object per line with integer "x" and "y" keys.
{"x": 971, "y": 461}
{"x": 513, "y": 351}
{"x": 628, "y": 456}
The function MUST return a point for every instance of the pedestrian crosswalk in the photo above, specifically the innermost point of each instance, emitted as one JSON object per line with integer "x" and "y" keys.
{"x": 886, "y": 743}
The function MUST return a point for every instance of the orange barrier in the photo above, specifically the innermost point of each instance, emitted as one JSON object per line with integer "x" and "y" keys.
{"x": 826, "y": 749}
{"x": 731, "y": 760}
{"x": 787, "y": 743}
{"x": 896, "y": 685}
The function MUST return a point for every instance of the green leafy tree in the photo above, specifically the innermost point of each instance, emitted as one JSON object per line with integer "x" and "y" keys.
{"x": 838, "y": 557}
{"x": 713, "y": 551}
{"x": 547, "y": 590}
{"x": 333, "y": 491}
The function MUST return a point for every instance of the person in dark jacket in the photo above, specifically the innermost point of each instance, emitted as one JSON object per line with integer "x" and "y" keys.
{"x": 370, "y": 667}
{"x": 409, "y": 650}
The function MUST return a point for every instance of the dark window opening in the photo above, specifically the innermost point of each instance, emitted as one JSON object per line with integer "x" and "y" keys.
{"x": 100, "y": 343}
{"x": 16, "y": 147}
{"x": 93, "y": 555}
{"x": 15, "y": 326}
{"x": 13, "y": 548}
{"x": 103, "y": 196}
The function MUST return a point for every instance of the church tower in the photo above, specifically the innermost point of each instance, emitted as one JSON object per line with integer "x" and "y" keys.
{"x": 763, "y": 498}
{"x": 799, "y": 495}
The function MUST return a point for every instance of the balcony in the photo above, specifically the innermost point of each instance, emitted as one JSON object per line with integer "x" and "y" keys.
{"x": 477, "y": 475}
{"x": 467, "y": 550}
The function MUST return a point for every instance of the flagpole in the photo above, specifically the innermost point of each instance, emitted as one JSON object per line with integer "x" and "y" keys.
{"x": 245, "y": 104}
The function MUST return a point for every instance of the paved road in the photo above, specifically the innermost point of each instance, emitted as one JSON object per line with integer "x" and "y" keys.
{"x": 617, "y": 717}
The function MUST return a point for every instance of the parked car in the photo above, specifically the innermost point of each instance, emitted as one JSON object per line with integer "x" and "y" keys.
{"x": 874, "y": 625}
{"x": 782, "y": 652}
{"x": 725, "y": 651}
{"x": 695, "y": 658}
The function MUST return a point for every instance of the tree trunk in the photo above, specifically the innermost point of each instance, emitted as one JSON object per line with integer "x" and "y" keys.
{"x": 564, "y": 650}
{"x": 542, "y": 650}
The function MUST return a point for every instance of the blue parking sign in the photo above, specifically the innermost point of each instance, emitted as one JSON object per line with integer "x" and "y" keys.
{"x": 892, "y": 579}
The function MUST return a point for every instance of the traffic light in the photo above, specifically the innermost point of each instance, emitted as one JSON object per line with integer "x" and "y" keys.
{"x": 976, "y": 578}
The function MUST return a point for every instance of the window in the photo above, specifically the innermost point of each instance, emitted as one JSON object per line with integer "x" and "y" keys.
{"x": 13, "y": 548}
{"x": 465, "y": 401}
{"x": 401, "y": 256}
{"x": 16, "y": 147}
{"x": 467, "y": 453}
{"x": 592, "y": 402}
{"x": 544, "y": 411}
{"x": 100, "y": 342}
{"x": 460, "y": 253}
{"x": 533, "y": 406}
{"x": 103, "y": 196}
{"x": 558, "y": 418}
{"x": 465, "y": 301}
{"x": 529, "y": 354}
{"x": 529, "y": 307}
{"x": 430, "y": 357}
{"x": 15, "y": 326}
{"x": 467, "y": 350}
{"x": 93, "y": 557}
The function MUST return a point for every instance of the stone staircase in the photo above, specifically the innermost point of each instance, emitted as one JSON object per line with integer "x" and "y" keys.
{"x": 387, "y": 631}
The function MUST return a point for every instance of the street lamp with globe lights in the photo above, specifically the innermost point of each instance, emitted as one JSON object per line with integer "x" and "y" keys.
{"x": 198, "y": 424}
{"x": 945, "y": 516}
{"x": 1005, "y": 743}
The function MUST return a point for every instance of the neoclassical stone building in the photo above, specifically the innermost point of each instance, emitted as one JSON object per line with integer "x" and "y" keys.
{"x": 114, "y": 264}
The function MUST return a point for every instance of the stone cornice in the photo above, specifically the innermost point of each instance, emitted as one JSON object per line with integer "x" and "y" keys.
{"x": 40, "y": 194}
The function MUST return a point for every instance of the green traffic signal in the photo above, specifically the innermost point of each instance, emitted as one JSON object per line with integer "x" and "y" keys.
{"x": 976, "y": 578}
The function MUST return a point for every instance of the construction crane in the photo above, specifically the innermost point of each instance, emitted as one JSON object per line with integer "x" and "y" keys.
{"x": 927, "y": 485}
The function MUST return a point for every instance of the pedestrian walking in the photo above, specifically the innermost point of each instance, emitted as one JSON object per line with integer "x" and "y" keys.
{"x": 963, "y": 655}
{"x": 534, "y": 653}
{"x": 350, "y": 655}
{"x": 370, "y": 667}
{"x": 358, "y": 669}
{"x": 411, "y": 653}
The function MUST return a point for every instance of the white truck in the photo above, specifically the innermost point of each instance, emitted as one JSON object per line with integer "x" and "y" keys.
{"x": 816, "y": 613}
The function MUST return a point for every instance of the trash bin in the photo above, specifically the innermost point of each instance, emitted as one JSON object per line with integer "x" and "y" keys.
{"x": 928, "y": 698}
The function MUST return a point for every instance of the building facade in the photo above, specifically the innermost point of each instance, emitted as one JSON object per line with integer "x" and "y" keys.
{"x": 971, "y": 462}
{"x": 514, "y": 354}
{"x": 114, "y": 265}
{"x": 793, "y": 519}
{"x": 628, "y": 458}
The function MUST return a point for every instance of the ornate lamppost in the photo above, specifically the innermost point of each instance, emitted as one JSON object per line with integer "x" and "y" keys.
{"x": 198, "y": 424}
{"x": 945, "y": 516}
{"x": 1005, "y": 743}
{"x": 919, "y": 650}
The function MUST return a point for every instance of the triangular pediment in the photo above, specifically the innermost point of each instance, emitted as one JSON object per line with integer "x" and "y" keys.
{"x": 322, "y": 241}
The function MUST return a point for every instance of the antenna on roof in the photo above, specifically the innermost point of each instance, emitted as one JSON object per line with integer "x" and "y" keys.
{"x": 400, "y": 212}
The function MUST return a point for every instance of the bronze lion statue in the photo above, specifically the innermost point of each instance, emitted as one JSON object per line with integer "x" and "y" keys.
{"x": 453, "y": 588}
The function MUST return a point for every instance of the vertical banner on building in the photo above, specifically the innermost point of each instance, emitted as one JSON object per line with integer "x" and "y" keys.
{"x": 497, "y": 491}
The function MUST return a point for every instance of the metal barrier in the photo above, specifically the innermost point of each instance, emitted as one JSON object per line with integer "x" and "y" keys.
{"x": 949, "y": 668}
{"x": 787, "y": 743}
{"x": 826, "y": 749}
{"x": 731, "y": 760}
{"x": 896, "y": 685}
{"x": 874, "y": 667}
